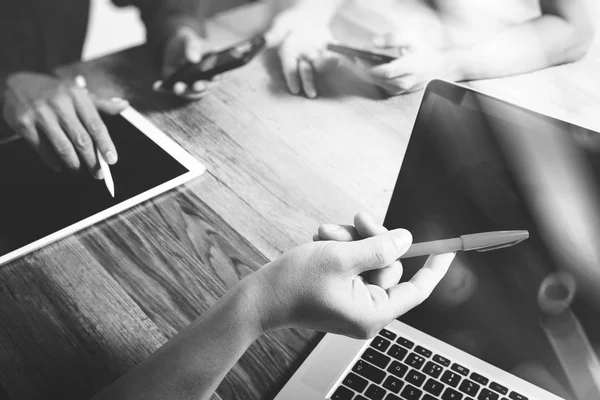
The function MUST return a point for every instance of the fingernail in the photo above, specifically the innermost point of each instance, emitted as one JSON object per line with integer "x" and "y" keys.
{"x": 119, "y": 100}
{"x": 311, "y": 95}
{"x": 402, "y": 237}
{"x": 330, "y": 227}
{"x": 111, "y": 157}
{"x": 199, "y": 86}
{"x": 80, "y": 81}
{"x": 157, "y": 85}
{"x": 179, "y": 87}
{"x": 98, "y": 175}
{"x": 194, "y": 56}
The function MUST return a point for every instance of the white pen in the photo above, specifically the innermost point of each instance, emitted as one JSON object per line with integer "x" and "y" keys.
{"x": 108, "y": 180}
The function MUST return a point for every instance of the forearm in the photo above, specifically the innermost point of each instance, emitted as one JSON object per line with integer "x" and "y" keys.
{"x": 193, "y": 363}
{"x": 545, "y": 41}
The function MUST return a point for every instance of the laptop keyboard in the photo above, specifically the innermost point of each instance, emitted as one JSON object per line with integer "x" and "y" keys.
{"x": 394, "y": 368}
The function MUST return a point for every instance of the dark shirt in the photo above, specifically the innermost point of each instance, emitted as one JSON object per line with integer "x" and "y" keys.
{"x": 39, "y": 35}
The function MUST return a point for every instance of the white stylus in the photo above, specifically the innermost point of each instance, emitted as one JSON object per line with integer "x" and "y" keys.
{"x": 108, "y": 180}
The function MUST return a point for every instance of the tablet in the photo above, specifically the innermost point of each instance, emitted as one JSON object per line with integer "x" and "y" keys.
{"x": 39, "y": 206}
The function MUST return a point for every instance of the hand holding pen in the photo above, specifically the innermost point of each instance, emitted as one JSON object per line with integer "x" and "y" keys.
{"x": 387, "y": 277}
{"x": 59, "y": 120}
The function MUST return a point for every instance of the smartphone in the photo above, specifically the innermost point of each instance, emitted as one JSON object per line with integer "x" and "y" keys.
{"x": 375, "y": 58}
{"x": 215, "y": 63}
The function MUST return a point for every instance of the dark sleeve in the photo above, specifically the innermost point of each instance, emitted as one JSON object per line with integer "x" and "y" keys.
{"x": 163, "y": 17}
{"x": 3, "y": 75}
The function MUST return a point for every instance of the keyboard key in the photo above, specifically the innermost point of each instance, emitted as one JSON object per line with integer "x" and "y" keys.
{"x": 397, "y": 352}
{"x": 411, "y": 393}
{"x": 479, "y": 378}
{"x": 368, "y": 371}
{"x": 451, "y": 394}
{"x": 376, "y": 358}
{"x": 469, "y": 387}
{"x": 429, "y": 397}
{"x": 387, "y": 334}
{"x": 517, "y": 396}
{"x": 355, "y": 382}
{"x": 441, "y": 360}
{"x": 392, "y": 384}
{"x": 415, "y": 377}
{"x": 450, "y": 378}
{"x": 342, "y": 393}
{"x": 359, "y": 397}
{"x": 397, "y": 369}
{"x": 380, "y": 343}
{"x": 487, "y": 394}
{"x": 392, "y": 397}
{"x": 498, "y": 388}
{"x": 405, "y": 342}
{"x": 432, "y": 369}
{"x": 423, "y": 351}
{"x": 433, "y": 387}
{"x": 375, "y": 392}
{"x": 460, "y": 369}
{"x": 414, "y": 360}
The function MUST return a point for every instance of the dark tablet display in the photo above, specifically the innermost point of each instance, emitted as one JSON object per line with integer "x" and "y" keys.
{"x": 476, "y": 164}
{"x": 37, "y": 202}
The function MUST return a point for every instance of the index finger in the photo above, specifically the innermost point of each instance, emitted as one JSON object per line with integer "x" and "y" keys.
{"x": 407, "y": 295}
{"x": 90, "y": 118}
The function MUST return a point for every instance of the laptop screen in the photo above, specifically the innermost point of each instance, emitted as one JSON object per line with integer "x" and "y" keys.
{"x": 476, "y": 164}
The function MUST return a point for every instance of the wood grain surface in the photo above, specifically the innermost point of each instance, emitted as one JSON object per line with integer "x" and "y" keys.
{"x": 78, "y": 314}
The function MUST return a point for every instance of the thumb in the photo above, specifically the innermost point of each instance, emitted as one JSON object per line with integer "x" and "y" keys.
{"x": 378, "y": 251}
{"x": 112, "y": 106}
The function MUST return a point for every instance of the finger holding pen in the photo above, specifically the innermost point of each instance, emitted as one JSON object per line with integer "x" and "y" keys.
{"x": 364, "y": 227}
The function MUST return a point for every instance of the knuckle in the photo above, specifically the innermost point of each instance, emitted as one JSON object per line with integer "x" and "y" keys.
{"x": 377, "y": 250}
{"x": 23, "y": 121}
{"x": 417, "y": 295}
{"x": 82, "y": 140}
{"x": 335, "y": 255}
{"x": 63, "y": 150}
{"x": 96, "y": 126}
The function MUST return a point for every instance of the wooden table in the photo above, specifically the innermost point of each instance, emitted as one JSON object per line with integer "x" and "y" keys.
{"x": 80, "y": 313}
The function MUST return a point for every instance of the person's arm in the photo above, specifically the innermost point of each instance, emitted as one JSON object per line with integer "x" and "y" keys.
{"x": 563, "y": 33}
{"x": 315, "y": 286}
{"x": 193, "y": 363}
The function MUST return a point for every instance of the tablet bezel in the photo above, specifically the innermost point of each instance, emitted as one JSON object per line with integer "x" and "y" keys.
{"x": 195, "y": 169}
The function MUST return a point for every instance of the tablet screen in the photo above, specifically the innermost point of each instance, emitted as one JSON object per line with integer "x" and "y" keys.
{"x": 37, "y": 202}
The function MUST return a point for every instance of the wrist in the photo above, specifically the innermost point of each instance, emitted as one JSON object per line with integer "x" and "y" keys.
{"x": 268, "y": 306}
{"x": 455, "y": 62}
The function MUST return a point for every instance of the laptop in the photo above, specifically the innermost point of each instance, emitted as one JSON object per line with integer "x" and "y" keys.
{"x": 519, "y": 323}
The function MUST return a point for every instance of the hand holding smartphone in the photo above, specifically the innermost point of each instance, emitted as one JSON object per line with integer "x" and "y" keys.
{"x": 374, "y": 58}
{"x": 216, "y": 63}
